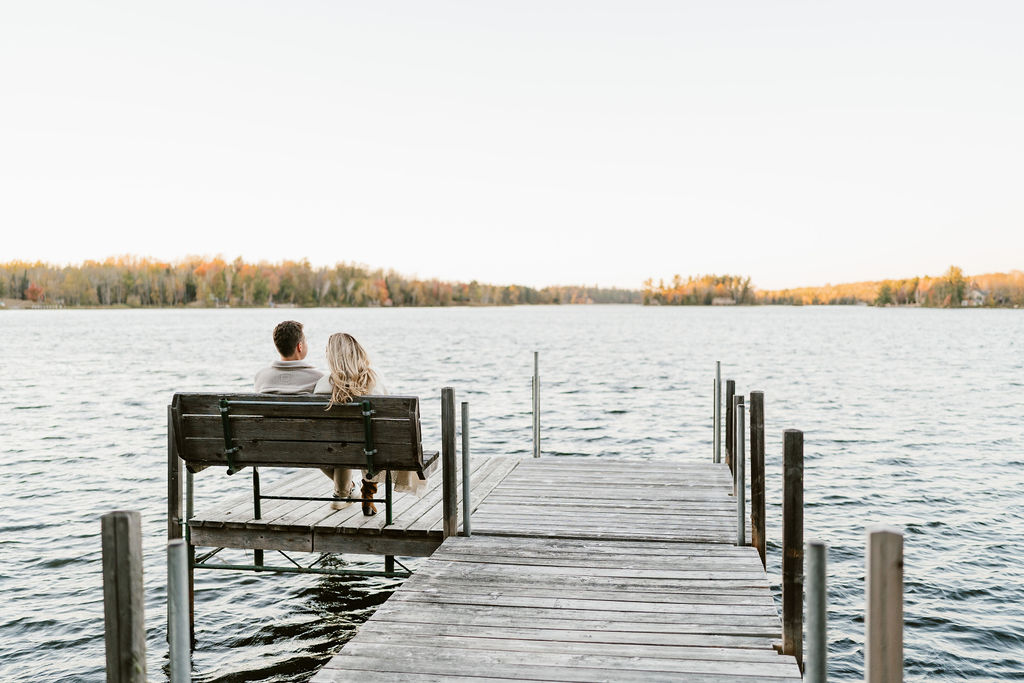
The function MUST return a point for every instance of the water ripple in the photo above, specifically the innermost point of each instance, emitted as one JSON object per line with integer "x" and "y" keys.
{"x": 905, "y": 415}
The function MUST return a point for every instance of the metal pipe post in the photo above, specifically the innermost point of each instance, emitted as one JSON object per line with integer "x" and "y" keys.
{"x": 536, "y": 404}
{"x": 739, "y": 480}
{"x": 718, "y": 412}
{"x": 883, "y": 642}
{"x": 178, "y": 612}
{"x": 466, "y": 506}
{"x": 817, "y": 640}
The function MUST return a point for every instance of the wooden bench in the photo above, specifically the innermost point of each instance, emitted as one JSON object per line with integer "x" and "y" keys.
{"x": 238, "y": 431}
{"x": 248, "y": 430}
{"x": 375, "y": 433}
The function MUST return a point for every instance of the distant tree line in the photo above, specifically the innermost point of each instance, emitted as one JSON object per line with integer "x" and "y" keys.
{"x": 142, "y": 282}
{"x": 703, "y": 290}
{"x": 953, "y": 289}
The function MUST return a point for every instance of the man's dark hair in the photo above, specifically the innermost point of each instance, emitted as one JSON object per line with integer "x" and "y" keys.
{"x": 287, "y": 336}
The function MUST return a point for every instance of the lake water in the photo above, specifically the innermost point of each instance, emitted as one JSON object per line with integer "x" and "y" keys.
{"x": 911, "y": 417}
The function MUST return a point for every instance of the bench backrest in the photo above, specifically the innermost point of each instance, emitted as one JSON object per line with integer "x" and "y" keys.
{"x": 296, "y": 431}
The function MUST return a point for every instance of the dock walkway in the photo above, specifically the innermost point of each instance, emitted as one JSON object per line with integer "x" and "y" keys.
{"x": 580, "y": 569}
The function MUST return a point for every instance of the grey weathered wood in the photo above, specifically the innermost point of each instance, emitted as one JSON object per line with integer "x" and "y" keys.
{"x": 296, "y": 431}
{"x": 757, "y": 496}
{"x": 250, "y": 427}
{"x": 581, "y": 603}
{"x": 541, "y": 595}
{"x": 466, "y": 661}
{"x": 883, "y": 647}
{"x": 792, "y": 543}
{"x": 123, "y": 597}
{"x": 817, "y": 640}
{"x": 312, "y": 526}
{"x": 428, "y": 510}
{"x": 175, "y": 511}
{"x": 730, "y": 391}
{"x": 266, "y": 453}
{"x": 547, "y": 580}
{"x": 521, "y": 639}
{"x": 489, "y": 478}
{"x": 467, "y": 527}
{"x": 522, "y": 610}
{"x": 450, "y": 509}
{"x": 294, "y": 405}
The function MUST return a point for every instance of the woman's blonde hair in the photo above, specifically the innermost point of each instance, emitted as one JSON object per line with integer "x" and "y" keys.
{"x": 351, "y": 374}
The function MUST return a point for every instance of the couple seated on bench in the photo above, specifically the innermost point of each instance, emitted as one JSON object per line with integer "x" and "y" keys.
{"x": 349, "y": 376}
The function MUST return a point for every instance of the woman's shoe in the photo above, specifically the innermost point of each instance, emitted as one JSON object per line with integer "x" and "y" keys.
{"x": 342, "y": 504}
{"x": 368, "y": 491}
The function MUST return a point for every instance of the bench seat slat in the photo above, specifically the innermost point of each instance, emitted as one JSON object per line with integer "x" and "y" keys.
{"x": 208, "y": 452}
{"x": 246, "y": 427}
{"x": 403, "y": 407}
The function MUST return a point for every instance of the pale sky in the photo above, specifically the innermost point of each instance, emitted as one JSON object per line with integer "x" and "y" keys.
{"x": 529, "y": 142}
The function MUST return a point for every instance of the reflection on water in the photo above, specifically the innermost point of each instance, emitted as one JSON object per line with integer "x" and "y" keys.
{"x": 911, "y": 417}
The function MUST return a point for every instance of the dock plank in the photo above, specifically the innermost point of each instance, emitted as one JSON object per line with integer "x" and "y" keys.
{"x": 579, "y": 569}
{"x": 615, "y": 573}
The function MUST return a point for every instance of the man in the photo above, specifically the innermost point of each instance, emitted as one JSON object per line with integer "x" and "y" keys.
{"x": 292, "y": 374}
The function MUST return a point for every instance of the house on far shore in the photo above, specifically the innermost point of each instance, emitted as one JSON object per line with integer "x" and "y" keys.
{"x": 723, "y": 301}
{"x": 975, "y": 297}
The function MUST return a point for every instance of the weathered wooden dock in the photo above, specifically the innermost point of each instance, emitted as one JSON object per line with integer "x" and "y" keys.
{"x": 313, "y": 526}
{"x": 578, "y": 569}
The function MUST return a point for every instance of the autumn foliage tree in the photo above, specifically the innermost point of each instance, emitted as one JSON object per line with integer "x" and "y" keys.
{"x": 952, "y": 289}
{"x": 200, "y": 281}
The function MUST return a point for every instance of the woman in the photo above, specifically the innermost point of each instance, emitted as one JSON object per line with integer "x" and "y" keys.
{"x": 351, "y": 376}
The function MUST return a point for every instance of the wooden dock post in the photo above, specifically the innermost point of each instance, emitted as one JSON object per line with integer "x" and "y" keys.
{"x": 817, "y": 595}
{"x": 757, "y": 501}
{"x": 123, "y": 598}
{"x": 730, "y": 391}
{"x": 466, "y": 505}
{"x": 717, "y": 413}
{"x": 793, "y": 543}
{"x": 883, "y": 648}
{"x": 536, "y": 404}
{"x": 739, "y": 483}
{"x": 178, "y": 611}
{"x": 175, "y": 479}
{"x": 449, "y": 479}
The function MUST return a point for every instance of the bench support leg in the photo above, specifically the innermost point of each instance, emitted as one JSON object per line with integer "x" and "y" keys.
{"x": 192, "y": 597}
{"x": 389, "y": 563}
{"x": 257, "y": 555}
{"x": 387, "y": 499}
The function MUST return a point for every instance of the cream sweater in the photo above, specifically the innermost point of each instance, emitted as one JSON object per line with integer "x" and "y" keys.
{"x": 287, "y": 377}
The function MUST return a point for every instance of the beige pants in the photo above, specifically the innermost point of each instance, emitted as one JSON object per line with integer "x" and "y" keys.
{"x": 342, "y": 478}
{"x": 404, "y": 482}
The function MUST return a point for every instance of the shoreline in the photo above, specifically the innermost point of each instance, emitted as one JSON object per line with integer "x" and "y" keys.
{"x": 18, "y": 304}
